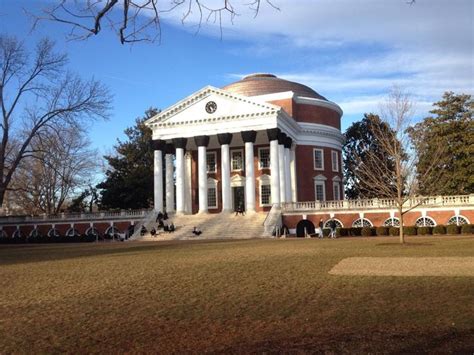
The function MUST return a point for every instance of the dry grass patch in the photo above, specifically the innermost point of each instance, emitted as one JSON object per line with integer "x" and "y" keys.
{"x": 401, "y": 266}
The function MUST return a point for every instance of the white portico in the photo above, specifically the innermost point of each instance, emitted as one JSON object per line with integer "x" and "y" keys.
{"x": 230, "y": 152}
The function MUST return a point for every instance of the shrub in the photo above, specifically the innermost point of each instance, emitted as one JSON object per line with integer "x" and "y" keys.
{"x": 356, "y": 231}
{"x": 409, "y": 230}
{"x": 366, "y": 232}
{"x": 382, "y": 230}
{"x": 467, "y": 229}
{"x": 394, "y": 231}
{"x": 424, "y": 230}
{"x": 453, "y": 229}
{"x": 342, "y": 232}
{"x": 439, "y": 229}
{"x": 326, "y": 232}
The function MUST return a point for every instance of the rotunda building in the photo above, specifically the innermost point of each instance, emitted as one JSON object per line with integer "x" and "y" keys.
{"x": 256, "y": 143}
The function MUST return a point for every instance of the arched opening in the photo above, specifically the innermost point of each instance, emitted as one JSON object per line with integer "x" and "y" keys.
{"x": 425, "y": 222}
{"x": 392, "y": 222}
{"x": 338, "y": 223}
{"x": 362, "y": 222}
{"x": 112, "y": 232}
{"x": 302, "y": 226}
{"x": 53, "y": 233}
{"x": 458, "y": 220}
{"x": 72, "y": 232}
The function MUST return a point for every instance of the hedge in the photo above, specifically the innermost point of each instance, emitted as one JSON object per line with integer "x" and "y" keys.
{"x": 453, "y": 229}
{"x": 409, "y": 230}
{"x": 394, "y": 231}
{"x": 467, "y": 229}
{"x": 424, "y": 230}
{"x": 382, "y": 230}
{"x": 439, "y": 229}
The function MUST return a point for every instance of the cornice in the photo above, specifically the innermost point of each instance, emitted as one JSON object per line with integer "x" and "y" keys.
{"x": 318, "y": 102}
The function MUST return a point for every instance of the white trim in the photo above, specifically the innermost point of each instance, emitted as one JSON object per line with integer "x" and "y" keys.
{"x": 264, "y": 180}
{"x": 424, "y": 218}
{"x": 241, "y": 151}
{"x": 320, "y": 177}
{"x": 258, "y": 151}
{"x": 274, "y": 96}
{"x": 314, "y": 158}
{"x": 319, "y": 102}
{"x": 335, "y": 153}
{"x": 237, "y": 180}
{"x": 336, "y": 186}
{"x": 336, "y": 178}
{"x": 212, "y": 184}
{"x": 362, "y": 219}
{"x": 319, "y": 182}
{"x": 207, "y": 162}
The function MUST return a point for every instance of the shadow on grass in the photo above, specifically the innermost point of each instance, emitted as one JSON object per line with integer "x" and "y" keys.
{"x": 406, "y": 244}
{"x": 32, "y": 253}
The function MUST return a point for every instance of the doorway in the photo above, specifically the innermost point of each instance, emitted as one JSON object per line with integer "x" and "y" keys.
{"x": 239, "y": 198}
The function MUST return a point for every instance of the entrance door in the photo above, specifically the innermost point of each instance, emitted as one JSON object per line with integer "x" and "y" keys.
{"x": 239, "y": 199}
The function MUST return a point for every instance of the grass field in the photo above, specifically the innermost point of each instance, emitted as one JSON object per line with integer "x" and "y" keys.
{"x": 231, "y": 296}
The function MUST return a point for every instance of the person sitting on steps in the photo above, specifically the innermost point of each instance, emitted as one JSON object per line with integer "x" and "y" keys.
{"x": 171, "y": 228}
{"x": 153, "y": 232}
{"x": 196, "y": 231}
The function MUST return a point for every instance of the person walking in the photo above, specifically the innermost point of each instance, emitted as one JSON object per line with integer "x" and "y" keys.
{"x": 332, "y": 225}
{"x": 320, "y": 230}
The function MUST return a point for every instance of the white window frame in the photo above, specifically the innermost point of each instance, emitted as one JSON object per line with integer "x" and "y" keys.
{"x": 259, "y": 150}
{"x": 335, "y": 162}
{"x": 322, "y": 158}
{"x": 241, "y": 151}
{"x": 207, "y": 162}
{"x": 319, "y": 183}
{"x": 264, "y": 180}
{"x": 212, "y": 184}
{"x": 336, "y": 187}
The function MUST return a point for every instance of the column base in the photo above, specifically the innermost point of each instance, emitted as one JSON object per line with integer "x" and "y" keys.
{"x": 203, "y": 212}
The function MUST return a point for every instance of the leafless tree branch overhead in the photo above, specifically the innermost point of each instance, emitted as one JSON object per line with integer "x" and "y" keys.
{"x": 140, "y": 20}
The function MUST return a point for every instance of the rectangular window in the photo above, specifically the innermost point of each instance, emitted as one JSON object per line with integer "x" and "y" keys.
{"x": 212, "y": 197}
{"x": 336, "y": 190}
{"x": 264, "y": 158}
{"x": 211, "y": 162}
{"x": 318, "y": 158}
{"x": 335, "y": 160}
{"x": 319, "y": 191}
{"x": 265, "y": 195}
{"x": 237, "y": 160}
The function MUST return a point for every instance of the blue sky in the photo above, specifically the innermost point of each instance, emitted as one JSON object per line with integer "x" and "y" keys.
{"x": 349, "y": 51}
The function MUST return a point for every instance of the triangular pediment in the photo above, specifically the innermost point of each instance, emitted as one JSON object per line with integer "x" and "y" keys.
{"x": 209, "y": 104}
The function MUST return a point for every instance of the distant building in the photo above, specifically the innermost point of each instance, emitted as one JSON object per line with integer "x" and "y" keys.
{"x": 256, "y": 142}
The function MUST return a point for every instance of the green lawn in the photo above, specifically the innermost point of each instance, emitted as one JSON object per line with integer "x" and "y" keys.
{"x": 230, "y": 296}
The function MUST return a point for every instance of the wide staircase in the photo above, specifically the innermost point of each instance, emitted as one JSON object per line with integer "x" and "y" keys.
{"x": 213, "y": 226}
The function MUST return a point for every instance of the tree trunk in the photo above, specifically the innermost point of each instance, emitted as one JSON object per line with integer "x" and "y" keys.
{"x": 402, "y": 235}
{"x": 2, "y": 196}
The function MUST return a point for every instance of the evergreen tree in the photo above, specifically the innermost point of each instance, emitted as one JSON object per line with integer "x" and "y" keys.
{"x": 452, "y": 128}
{"x": 129, "y": 178}
{"x": 359, "y": 140}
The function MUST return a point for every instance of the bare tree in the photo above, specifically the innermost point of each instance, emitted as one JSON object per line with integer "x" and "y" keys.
{"x": 63, "y": 163}
{"x": 37, "y": 97}
{"x": 140, "y": 20}
{"x": 378, "y": 175}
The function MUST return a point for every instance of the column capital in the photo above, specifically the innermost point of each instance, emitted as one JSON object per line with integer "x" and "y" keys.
{"x": 224, "y": 138}
{"x": 281, "y": 137}
{"x": 288, "y": 142}
{"x": 248, "y": 136}
{"x": 272, "y": 134}
{"x": 201, "y": 141}
{"x": 169, "y": 148}
{"x": 180, "y": 142}
{"x": 158, "y": 144}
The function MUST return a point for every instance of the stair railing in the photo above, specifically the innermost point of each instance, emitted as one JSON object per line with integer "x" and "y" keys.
{"x": 273, "y": 221}
{"x": 146, "y": 222}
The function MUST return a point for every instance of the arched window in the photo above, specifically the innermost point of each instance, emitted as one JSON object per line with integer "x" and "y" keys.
{"x": 304, "y": 227}
{"x": 35, "y": 233}
{"x": 425, "y": 222}
{"x": 72, "y": 232}
{"x": 53, "y": 232}
{"x": 458, "y": 220}
{"x": 362, "y": 222}
{"x": 392, "y": 222}
{"x": 92, "y": 232}
{"x": 3, "y": 234}
{"x": 338, "y": 223}
{"x": 17, "y": 234}
{"x": 112, "y": 232}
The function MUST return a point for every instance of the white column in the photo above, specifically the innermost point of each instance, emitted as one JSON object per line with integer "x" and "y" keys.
{"x": 225, "y": 171}
{"x": 275, "y": 172}
{"x": 287, "y": 175}
{"x": 294, "y": 195}
{"x": 188, "y": 191}
{"x": 281, "y": 165}
{"x": 202, "y": 179}
{"x": 180, "y": 180}
{"x": 249, "y": 178}
{"x": 169, "y": 183}
{"x": 158, "y": 180}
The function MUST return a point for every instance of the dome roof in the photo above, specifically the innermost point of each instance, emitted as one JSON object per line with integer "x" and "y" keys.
{"x": 262, "y": 84}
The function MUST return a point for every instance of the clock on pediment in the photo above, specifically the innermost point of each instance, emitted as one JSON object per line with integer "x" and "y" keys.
{"x": 211, "y": 107}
